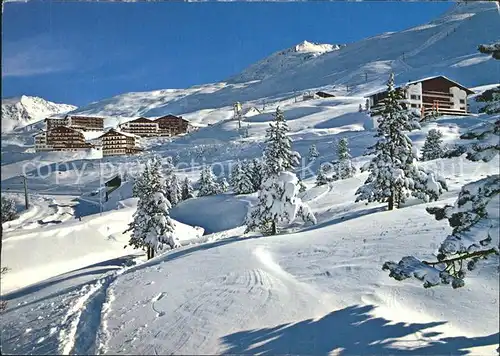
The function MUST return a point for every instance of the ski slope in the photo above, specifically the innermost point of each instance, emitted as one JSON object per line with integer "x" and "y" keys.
{"x": 314, "y": 290}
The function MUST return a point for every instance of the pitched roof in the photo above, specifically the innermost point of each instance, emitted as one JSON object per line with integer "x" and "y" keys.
{"x": 424, "y": 80}
{"x": 114, "y": 131}
{"x": 170, "y": 116}
{"x": 139, "y": 120}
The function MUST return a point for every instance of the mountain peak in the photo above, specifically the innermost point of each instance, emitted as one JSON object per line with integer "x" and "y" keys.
{"x": 284, "y": 60}
{"x": 306, "y": 46}
{"x": 25, "y": 110}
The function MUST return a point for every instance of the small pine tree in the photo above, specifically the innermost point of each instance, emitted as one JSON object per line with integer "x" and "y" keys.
{"x": 223, "y": 185}
{"x": 313, "y": 153}
{"x": 393, "y": 173}
{"x": 278, "y": 153}
{"x": 343, "y": 167}
{"x": 278, "y": 203}
{"x": 207, "y": 183}
{"x": 473, "y": 217}
{"x": 360, "y": 109}
{"x": 152, "y": 227}
{"x": 367, "y": 105}
{"x": 432, "y": 146}
{"x": 257, "y": 173}
{"x": 241, "y": 179}
{"x": 9, "y": 211}
{"x": 321, "y": 178}
{"x": 187, "y": 189}
{"x": 174, "y": 190}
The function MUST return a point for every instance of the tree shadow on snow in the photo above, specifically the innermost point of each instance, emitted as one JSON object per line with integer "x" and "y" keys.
{"x": 352, "y": 331}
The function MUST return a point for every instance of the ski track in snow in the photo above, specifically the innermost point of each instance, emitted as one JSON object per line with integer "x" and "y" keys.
{"x": 84, "y": 327}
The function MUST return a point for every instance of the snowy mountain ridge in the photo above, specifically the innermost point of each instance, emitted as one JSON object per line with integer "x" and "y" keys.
{"x": 283, "y": 60}
{"x": 25, "y": 110}
{"x": 445, "y": 46}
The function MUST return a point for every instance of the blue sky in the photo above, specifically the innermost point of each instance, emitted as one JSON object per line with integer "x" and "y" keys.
{"x": 77, "y": 53}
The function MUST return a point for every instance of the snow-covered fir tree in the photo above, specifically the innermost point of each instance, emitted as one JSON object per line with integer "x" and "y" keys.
{"x": 207, "y": 182}
{"x": 394, "y": 175}
{"x": 360, "y": 109}
{"x": 278, "y": 203}
{"x": 278, "y": 153}
{"x": 257, "y": 169}
{"x": 150, "y": 180}
{"x": 186, "y": 189}
{"x": 152, "y": 227}
{"x": 241, "y": 179}
{"x": 343, "y": 167}
{"x": 313, "y": 153}
{"x": 222, "y": 185}
{"x": 277, "y": 200}
{"x": 432, "y": 148}
{"x": 321, "y": 177}
{"x": 474, "y": 217}
{"x": 174, "y": 190}
{"x": 9, "y": 211}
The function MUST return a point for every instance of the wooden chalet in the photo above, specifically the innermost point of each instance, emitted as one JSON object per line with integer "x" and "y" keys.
{"x": 437, "y": 94}
{"x": 115, "y": 143}
{"x": 61, "y": 138}
{"x": 171, "y": 125}
{"x": 141, "y": 127}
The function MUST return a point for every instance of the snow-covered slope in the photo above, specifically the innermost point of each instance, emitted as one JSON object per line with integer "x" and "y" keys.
{"x": 447, "y": 46}
{"x": 26, "y": 110}
{"x": 283, "y": 61}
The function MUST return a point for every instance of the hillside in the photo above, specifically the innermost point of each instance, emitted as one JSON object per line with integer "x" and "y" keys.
{"x": 26, "y": 110}
{"x": 282, "y": 61}
{"x": 447, "y": 45}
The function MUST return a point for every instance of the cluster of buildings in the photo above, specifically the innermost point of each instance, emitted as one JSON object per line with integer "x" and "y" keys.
{"x": 79, "y": 133}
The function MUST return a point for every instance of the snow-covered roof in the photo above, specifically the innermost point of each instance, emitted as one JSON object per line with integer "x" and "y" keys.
{"x": 420, "y": 81}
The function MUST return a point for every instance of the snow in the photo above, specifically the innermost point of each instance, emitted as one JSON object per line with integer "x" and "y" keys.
{"x": 312, "y": 289}
{"x": 26, "y": 110}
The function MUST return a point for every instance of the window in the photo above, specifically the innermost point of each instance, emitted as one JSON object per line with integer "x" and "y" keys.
{"x": 462, "y": 101}
{"x": 413, "y": 97}
{"x": 413, "y": 105}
